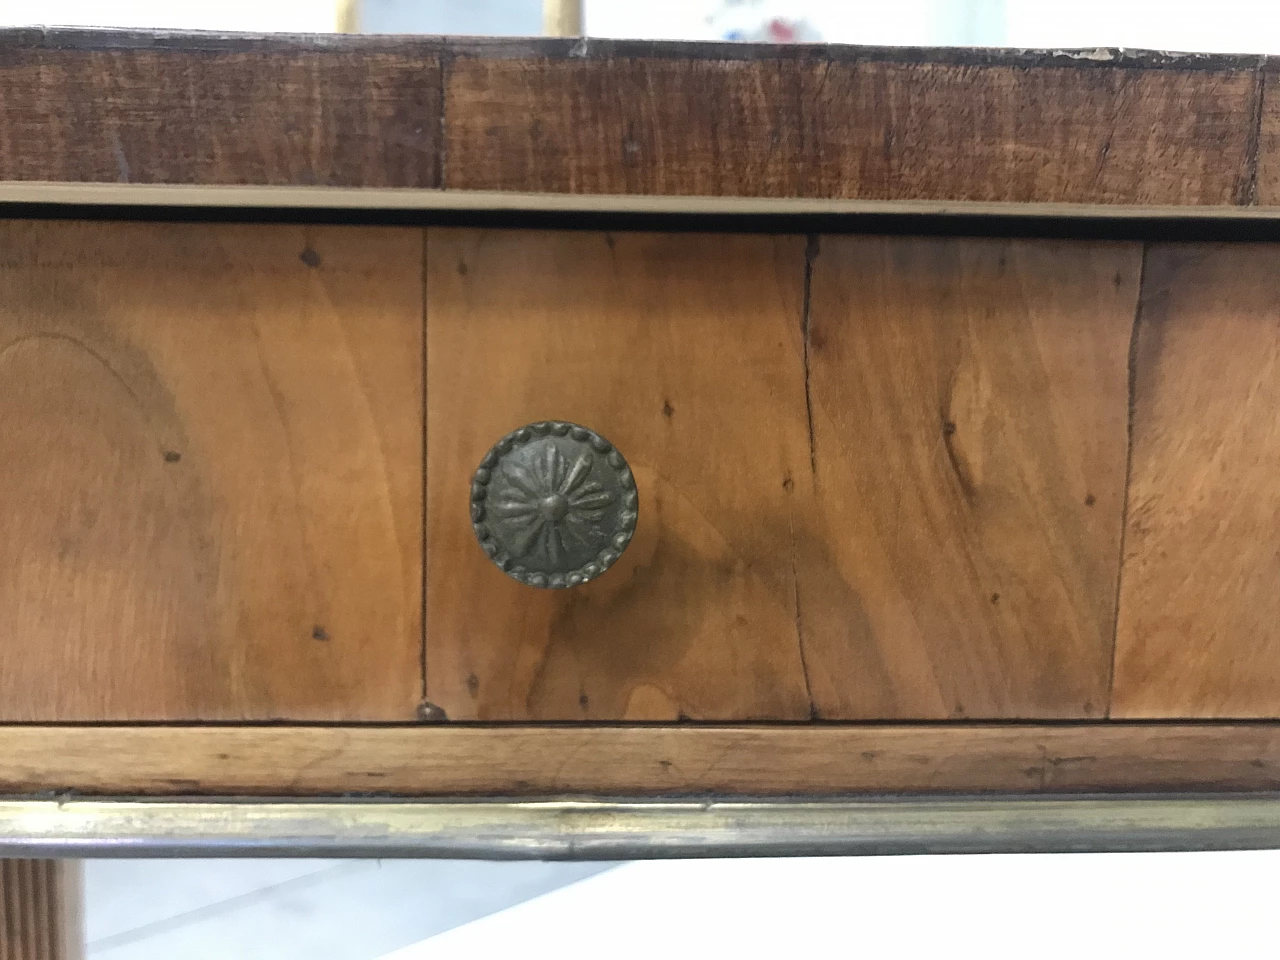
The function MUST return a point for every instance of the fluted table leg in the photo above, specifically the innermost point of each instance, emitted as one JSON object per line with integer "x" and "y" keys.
{"x": 41, "y": 910}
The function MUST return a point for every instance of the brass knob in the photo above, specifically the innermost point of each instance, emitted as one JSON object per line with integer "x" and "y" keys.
{"x": 553, "y": 504}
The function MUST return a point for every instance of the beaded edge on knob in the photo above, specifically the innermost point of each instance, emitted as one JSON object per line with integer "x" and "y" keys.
{"x": 618, "y": 542}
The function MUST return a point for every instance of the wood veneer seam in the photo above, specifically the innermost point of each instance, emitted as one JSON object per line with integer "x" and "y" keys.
{"x": 440, "y": 161}
{"x": 1247, "y": 192}
{"x": 1050, "y": 725}
{"x": 811, "y": 250}
{"x": 426, "y": 554}
{"x": 810, "y": 254}
{"x": 1128, "y": 471}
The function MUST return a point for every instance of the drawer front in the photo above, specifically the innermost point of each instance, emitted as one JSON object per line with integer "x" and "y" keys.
{"x": 1199, "y": 621}
{"x": 210, "y": 472}
{"x": 685, "y": 351}
{"x": 878, "y": 477}
{"x": 970, "y": 446}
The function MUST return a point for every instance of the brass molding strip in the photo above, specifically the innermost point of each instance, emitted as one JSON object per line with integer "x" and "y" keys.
{"x": 611, "y": 830}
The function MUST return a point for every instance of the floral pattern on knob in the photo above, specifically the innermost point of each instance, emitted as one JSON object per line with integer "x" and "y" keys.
{"x": 553, "y": 504}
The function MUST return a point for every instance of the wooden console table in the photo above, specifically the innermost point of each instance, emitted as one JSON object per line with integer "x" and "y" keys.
{"x": 891, "y": 457}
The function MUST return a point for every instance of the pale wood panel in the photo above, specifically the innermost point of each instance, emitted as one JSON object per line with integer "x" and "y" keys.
{"x": 1199, "y": 624}
{"x": 210, "y": 465}
{"x": 757, "y": 760}
{"x": 684, "y": 351}
{"x": 969, "y": 426}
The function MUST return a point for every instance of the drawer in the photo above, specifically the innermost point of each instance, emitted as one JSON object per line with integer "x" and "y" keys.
{"x": 980, "y": 505}
{"x": 210, "y": 472}
{"x": 1198, "y": 627}
{"x": 878, "y": 478}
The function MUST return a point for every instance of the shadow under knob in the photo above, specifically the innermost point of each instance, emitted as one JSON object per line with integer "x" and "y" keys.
{"x": 553, "y": 504}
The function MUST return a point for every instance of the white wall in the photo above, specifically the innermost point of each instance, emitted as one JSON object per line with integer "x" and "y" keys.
{"x": 1223, "y": 26}
{"x": 255, "y": 16}
{"x": 468, "y": 17}
{"x": 1243, "y": 26}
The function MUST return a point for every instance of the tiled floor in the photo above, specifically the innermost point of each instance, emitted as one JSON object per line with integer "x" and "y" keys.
{"x": 287, "y": 909}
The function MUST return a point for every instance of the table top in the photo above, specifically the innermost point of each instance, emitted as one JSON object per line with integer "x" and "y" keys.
{"x": 588, "y": 123}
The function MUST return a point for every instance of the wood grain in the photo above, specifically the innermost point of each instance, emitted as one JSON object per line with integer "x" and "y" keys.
{"x": 1197, "y": 630}
{"x": 324, "y": 114}
{"x": 849, "y": 128}
{"x": 608, "y": 117}
{"x": 211, "y": 465}
{"x": 969, "y": 405}
{"x": 1267, "y": 189}
{"x": 637, "y": 761}
{"x": 629, "y": 126}
{"x": 41, "y": 910}
{"x": 683, "y": 350}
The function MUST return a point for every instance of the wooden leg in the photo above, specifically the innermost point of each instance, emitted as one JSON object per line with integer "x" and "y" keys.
{"x": 348, "y": 16}
{"x": 562, "y": 18}
{"x": 41, "y": 910}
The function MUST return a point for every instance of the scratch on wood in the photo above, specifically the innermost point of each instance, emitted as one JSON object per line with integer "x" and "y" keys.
{"x": 1128, "y": 471}
{"x": 810, "y": 254}
{"x": 1246, "y": 192}
{"x": 122, "y": 162}
{"x": 440, "y": 164}
{"x": 795, "y": 595}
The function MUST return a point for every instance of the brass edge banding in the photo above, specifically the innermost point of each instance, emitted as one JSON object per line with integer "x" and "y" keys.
{"x": 609, "y": 830}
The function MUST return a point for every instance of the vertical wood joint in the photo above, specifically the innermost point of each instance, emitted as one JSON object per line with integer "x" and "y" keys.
{"x": 810, "y": 254}
{"x": 1246, "y": 193}
{"x": 1134, "y": 334}
{"x": 426, "y": 555}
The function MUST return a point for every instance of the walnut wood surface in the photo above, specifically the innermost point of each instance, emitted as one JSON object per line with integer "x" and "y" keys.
{"x": 1198, "y": 631}
{"x": 684, "y": 351}
{"x": 211, "y": 469}
{"x": 305, "y": 115}
{"x": 638, "y": 761}
{"x": 916, "y": 513}
{"x": 881, "y": 478}
{"x": 631, "y": 117}
{"x": 1267, "y": 190}
{"x": 847, "y": 130}
{"x": 969, "y": 448}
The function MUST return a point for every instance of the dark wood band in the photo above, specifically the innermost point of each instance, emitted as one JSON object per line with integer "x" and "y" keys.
{"x": 637, "y": 118}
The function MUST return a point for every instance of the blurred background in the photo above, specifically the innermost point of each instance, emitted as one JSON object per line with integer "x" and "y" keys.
{"x": 1101, "y": 905}
{"x": 1239, "y": 26}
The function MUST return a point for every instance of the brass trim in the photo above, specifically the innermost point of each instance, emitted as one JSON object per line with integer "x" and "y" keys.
{"x": 613, "y": 830}
{"x": 583, "y": 468}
